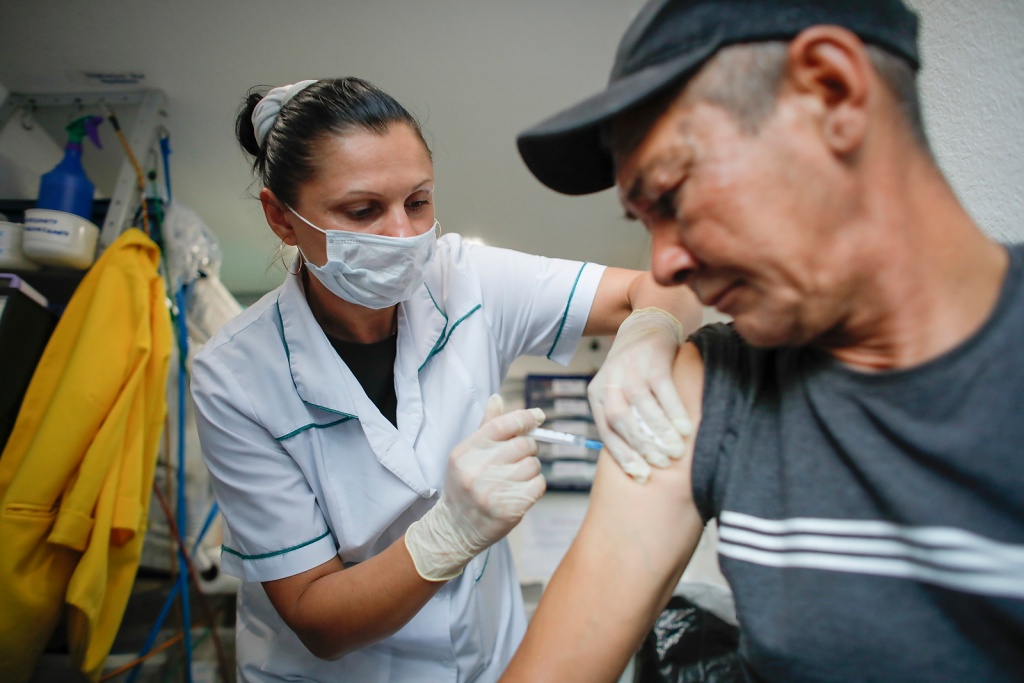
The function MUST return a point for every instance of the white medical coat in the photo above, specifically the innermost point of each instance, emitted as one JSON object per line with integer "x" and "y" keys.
{"x": 304, "y": 466}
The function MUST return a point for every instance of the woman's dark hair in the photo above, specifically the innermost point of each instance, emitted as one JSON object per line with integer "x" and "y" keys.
{"x": 326, "y": 108}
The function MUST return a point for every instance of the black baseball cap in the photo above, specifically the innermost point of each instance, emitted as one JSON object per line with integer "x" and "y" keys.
{"x": 666, "y": 44}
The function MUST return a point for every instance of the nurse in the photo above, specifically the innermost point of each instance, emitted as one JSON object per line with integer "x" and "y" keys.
{"x": 359, "y": 453}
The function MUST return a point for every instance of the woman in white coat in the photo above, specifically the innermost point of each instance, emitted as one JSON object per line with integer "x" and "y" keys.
{"x": 365, "y": 471}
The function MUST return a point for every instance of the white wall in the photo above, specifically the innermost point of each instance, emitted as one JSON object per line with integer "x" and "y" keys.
{"x": 973, "y": 96}
{"x": 24, "y": 156}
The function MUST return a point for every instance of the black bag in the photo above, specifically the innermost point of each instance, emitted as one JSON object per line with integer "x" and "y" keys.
{"x": 689, "y": 644}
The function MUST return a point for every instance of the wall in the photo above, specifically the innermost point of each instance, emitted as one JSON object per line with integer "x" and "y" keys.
{"x": 973, "y": 99}
{"x": 24, "y": 156}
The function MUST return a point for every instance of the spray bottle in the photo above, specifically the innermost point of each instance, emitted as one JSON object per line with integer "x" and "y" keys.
{"x": 66, "y": 187}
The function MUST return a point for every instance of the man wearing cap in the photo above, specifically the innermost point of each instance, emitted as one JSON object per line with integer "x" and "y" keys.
{"x": 859, "y": 424}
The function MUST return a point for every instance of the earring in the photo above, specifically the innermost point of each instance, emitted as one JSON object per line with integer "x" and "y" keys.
{"x": 280, "y": 255}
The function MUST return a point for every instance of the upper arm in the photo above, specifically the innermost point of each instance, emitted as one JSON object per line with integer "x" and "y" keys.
{"x": 621, "y": 569}
{"x": 658, "y": 520}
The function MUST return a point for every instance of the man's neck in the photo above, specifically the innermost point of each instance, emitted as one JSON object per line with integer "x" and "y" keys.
{"x": 934, "y": 277}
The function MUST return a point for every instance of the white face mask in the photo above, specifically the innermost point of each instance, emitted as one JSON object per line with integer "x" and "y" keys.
{"x": 374, "y": 271}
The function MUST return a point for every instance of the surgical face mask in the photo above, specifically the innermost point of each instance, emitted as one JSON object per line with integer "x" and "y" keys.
{"x": 374, "y": 271}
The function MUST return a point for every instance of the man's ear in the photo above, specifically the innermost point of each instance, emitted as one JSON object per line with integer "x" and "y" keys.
{"x": 831, "y": 64}
{"x": 275, "y": 212}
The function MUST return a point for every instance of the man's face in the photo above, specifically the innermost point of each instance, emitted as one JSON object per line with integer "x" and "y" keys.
{"x": 747, "y": 220}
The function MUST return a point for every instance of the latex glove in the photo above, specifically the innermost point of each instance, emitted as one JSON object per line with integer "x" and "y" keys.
{"x": 636, "y": 407}
{"x": 493, "y": 478}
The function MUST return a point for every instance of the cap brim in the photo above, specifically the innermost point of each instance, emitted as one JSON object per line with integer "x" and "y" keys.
{"x": 566, "y": 153}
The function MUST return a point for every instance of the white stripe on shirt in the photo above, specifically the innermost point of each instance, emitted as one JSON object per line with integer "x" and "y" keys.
{"x": 945, "y": 556}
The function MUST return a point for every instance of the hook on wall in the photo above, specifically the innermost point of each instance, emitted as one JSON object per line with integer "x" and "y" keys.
{"x": 77, "y": 107}
{"x": 28, "y": 116}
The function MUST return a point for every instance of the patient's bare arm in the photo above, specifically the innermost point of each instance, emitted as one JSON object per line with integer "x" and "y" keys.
{"x": 620, "y": 571}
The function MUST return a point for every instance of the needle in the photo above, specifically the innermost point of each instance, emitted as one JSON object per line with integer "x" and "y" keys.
{"x": 565, "y": 439}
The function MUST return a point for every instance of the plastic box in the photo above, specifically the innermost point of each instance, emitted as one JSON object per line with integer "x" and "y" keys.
{"x": 57, "y": 238}
{"x": 12, "y": 255}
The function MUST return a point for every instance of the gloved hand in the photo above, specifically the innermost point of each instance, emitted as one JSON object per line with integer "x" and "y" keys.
{"x": 493, "y": 478}
{"x": 636, "y": 407}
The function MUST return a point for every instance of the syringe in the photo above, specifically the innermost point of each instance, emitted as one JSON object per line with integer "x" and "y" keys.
{"x": 565, "y": 439}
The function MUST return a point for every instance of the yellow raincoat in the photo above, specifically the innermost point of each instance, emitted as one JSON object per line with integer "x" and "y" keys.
{"x": 77, "y": 472}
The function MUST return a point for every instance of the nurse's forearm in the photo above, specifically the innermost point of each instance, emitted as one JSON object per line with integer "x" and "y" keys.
{"x": 335, "y": 611}
{"x": 622, "y": 291}
{"x": 680, "y": 300}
